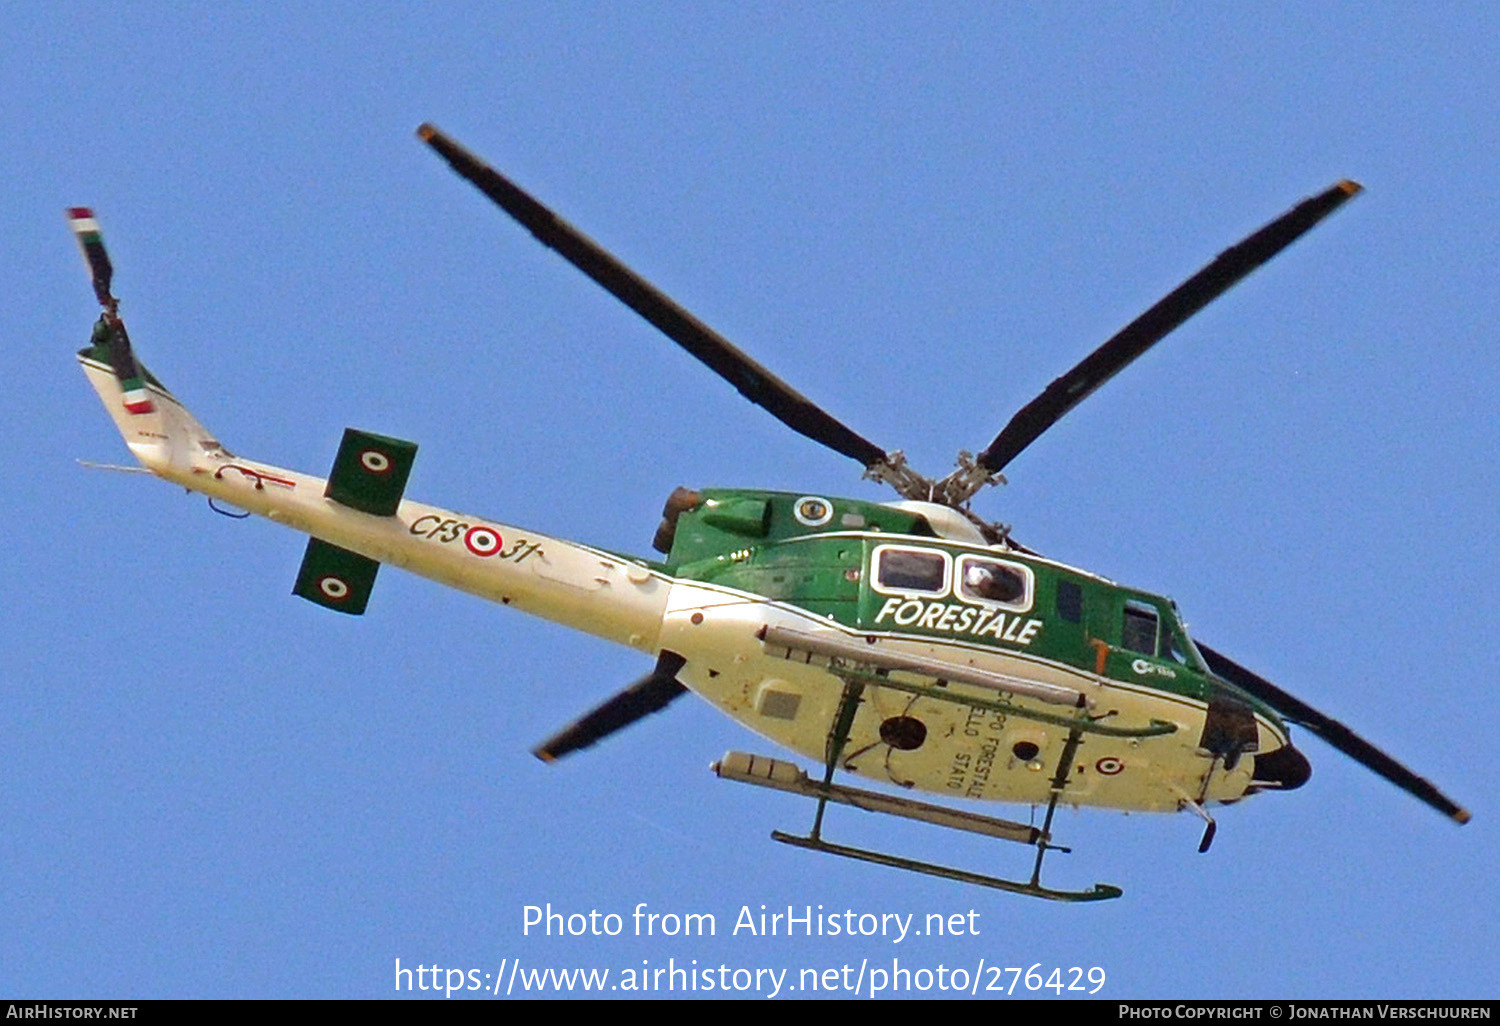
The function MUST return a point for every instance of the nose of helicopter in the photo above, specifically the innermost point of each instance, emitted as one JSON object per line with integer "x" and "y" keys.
{"x": 1285, "y": 768}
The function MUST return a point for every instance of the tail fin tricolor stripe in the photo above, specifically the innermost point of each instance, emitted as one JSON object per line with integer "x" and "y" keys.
{"x": 86, "y": 231}
{"x": 110, "y": 337}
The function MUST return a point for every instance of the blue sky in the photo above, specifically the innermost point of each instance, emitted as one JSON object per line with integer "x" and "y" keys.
{"x": 918, "y": 214}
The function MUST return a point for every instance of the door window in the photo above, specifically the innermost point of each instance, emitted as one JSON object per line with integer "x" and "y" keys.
{"x": 1138, "y": 631}
{"x": 900, "y": 570}
{"x": 994, "y": 582}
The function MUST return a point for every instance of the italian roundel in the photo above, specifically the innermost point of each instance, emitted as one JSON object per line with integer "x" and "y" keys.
{"x": 335, "y": 578}
{"x": 370, "y": 471}
{"x": 483, "y": 541}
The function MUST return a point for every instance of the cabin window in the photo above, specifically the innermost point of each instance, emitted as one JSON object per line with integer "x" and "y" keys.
{"x": 902, "y": 571}
{"x": 1138, "y": 632}
{"x": 1070, "y": 601}
{"x": 994, "y": 583}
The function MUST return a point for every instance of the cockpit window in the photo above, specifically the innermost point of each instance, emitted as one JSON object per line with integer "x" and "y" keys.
{"x": 1138, "y": 631}
{"x": 1174, "y": 650}
{"x": 1180, "y": 648}
{"x": 994, "y": 583}
{"x": 902, "y": 571}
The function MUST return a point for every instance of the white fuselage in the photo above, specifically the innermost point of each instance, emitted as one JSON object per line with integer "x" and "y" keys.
{"x": 967, "y": 752}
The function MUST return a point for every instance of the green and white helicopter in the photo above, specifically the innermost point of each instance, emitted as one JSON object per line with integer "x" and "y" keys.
{"x": 911, "y": 641}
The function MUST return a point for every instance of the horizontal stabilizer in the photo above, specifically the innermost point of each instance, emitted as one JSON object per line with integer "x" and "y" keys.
{"x": 370, "y": 471}
{"x": 336, "y": 578}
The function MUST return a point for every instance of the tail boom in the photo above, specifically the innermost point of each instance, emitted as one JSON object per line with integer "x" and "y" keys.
{"x": 609, "y": 596}
{"x": 361, "y": 515}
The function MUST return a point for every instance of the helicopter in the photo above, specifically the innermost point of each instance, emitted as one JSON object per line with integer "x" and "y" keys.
{"x": 911, "y": 642}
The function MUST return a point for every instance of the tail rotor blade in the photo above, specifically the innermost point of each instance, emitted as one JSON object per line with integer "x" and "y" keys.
{"x": 650, "y": 694}
{"x": 1332, "y": 731}
{"x": 91, "y": 242}
{"x": 109, "y": 338}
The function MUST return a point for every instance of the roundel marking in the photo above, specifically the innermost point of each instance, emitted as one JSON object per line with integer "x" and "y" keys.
{"x": 333, "y": 588}
{"x": 1108, "y": 766}
{"x": 812, "y": 511}
{"x": 483, "y": 541}
{"x": 375, "y": 461}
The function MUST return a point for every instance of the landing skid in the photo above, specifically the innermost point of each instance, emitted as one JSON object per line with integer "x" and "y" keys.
{"x": 1101, "y": 892}
{"x": 781, "y": 776}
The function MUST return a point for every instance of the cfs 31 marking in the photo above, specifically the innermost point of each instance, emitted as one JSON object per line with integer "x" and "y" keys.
{"x": 482, "y": 541}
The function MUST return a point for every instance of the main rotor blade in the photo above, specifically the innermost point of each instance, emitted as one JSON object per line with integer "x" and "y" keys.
{"x": 650, "y": 694}
{"x": 1159, "y": 321}
{"x": 753, "y": 381}
{"x": 1332, "y": 731}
